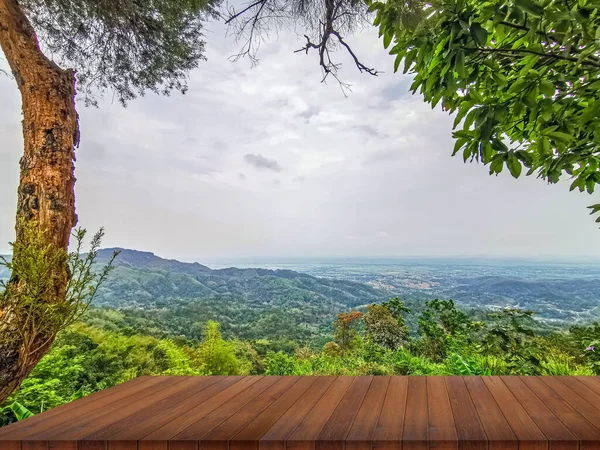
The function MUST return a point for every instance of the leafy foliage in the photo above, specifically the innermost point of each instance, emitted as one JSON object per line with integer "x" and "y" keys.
{"x": 384, "y": 329}
{"x": 346, "y": 329}
{"x": 217, "y": 356}
{"x": 523, "y": 77}
{"x": 128, "y": 46}
{"x": 25, "y": 313}
{"x": 85, "y": 358}
{"x": 441, "y": 326}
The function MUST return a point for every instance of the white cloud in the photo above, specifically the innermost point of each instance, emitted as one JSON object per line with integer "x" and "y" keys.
{"x": 171, "y": 174}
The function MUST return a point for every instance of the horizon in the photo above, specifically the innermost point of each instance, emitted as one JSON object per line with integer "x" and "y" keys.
{"x": 247, "y": 261}
{"x": 373, "y": 259}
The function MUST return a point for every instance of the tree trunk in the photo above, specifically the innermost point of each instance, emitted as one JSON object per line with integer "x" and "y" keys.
{"x": 46, "y": 199}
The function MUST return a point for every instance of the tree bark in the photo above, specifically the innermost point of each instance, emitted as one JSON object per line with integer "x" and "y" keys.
{"x": 46, "y": 199}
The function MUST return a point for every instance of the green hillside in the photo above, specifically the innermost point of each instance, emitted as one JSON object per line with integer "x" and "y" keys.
{"x": 166, "y": 297}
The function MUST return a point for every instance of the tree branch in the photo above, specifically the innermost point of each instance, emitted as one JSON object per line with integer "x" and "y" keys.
{"x": 234, "y": 16}
{"x": 360, "y": 65}
{"x": 323, "y": 18}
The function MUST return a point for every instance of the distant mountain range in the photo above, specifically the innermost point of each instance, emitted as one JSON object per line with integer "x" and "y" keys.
{"x": 166, "y": 297}
{"x": 143, "y": 279}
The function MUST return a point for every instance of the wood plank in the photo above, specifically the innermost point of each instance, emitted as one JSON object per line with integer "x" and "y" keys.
{"x": 325, "y": 413}
{"x": 497, "y": 429}
{"x": 219, "y": 435}
{"x": 185, "y": 390}
{"x": 62, "y": 445}
{"x": 108, "y": 403}
{"x": 77, "y": 427}
{"x": 573, "y": 419}
{"x": 92, "y": 445}
{"x": 151, "y": 429}
{"x": 303, "y": 437}
{"x": 390, "y": 427}
{"x": 524, "y": 427}
{"x": 202, "y": 419}
{"x": 275, "y": 437}
{"x": 441, "y": 429}
{"x": 195, "y": 410}
{"x": 579, "y": 388}
{"x": 591, "y": 382}
{"x": 470, "y": 431}
{"x": 122, "y": 445}
{"x": 183, "y": 445}
{"x": 98, "y": 400}
{"x": 360, "y": 435}
{"x": 334, "y": 433}
{"x": 153, "y": 445}
{"x": 34, "y": 445}
{"x": 416, "y": 422}
{"x": 556, "y": 432}
{"x": 247, "y": 438}
{"x": 10, "y": 445}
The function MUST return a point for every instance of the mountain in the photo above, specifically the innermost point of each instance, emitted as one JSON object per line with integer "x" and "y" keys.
{"x": 166, "y": 297}
{"x": 144, "y": 279}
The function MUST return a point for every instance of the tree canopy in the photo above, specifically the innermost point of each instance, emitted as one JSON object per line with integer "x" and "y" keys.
{"x": 523, "y": 77}
{"x": 127, "y": 46}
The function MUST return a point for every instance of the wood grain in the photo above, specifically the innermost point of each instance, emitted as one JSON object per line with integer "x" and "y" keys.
{"x": 323, "y": 413}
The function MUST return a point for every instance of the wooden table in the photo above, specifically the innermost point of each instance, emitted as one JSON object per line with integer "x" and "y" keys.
{"x": 323, "y": 413}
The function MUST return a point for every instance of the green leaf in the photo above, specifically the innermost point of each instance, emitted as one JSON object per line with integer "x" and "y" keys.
{"x": 499, "y": 78}
{"x": 479, "y": 34}
{"x": 517, "y": 85}
{"x": 524, "y": 157}
{"x": 578, "y": 183}
{"x": 459, "y": 63}
{"x": 466, "y": 153}
{"x": 547, "y": 88}
{"x": 458, "y": 145}
{"x": 514, "y": 166}
{"x": 530, "y": 6}
{"x": 590, "y": 185}
{"x": 590, "y": 113}
{"x": 408, "y": 60}
{"x": 497, "y": 164}
{"x": 463, "y": 134}
{"x": 20, "y": 412}
{"x": 462, "y": 112}
{"x": 543, "y": 145}
{"x": 559, "y": 136}
{"x": 595, "y": 208}
{"x": 397, "y": 63}
{"x": 387, "y": 39}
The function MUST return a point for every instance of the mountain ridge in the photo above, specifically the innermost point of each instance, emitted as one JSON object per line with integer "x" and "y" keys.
{"x": 138, "y": 276}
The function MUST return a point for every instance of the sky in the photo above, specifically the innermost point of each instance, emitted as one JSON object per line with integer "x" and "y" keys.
{"x": 267, "y": 161}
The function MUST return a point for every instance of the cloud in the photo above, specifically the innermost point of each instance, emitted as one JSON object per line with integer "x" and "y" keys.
{"x": 377, "y": 160}
{"x": 261, "y": 162}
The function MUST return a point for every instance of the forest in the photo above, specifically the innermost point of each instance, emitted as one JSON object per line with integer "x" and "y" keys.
{"x": 108, "y": 347}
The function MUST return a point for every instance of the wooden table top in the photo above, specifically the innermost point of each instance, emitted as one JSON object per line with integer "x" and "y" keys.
{"x": 323, "y": 413}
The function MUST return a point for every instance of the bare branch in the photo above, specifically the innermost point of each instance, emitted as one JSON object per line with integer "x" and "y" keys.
{"x": 234, "y": 16}
{"x": 321, "y": 20}
{"x": 359, "y": 65}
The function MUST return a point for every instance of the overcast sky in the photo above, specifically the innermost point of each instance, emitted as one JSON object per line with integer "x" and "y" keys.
{"x": 269, "y": 162}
